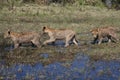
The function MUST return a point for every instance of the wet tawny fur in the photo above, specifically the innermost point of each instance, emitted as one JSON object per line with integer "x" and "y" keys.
{"x": 23, "y": 37}
{"x": 60, "y": 34}
{"x": 104, "y": 32}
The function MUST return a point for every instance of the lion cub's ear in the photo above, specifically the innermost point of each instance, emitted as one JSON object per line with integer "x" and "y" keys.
{"x": 9, "y": 31}
{"x": 44, "y": 28}
{"x": 91, "y": 30}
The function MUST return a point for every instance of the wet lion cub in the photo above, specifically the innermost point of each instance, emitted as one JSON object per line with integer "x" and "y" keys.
{"x": 59, "y": 34}
{"x": 104, "y": 32}
{"x": 23, "y": 37}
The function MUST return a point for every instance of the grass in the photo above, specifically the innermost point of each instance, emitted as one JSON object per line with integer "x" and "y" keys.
{"x": 33, "y": 17}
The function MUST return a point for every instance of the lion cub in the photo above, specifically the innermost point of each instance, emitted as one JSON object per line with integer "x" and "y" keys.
{"x": 60, "y": 34}
{"x": 105, "y": 32}
{"x": 23, "y": 37}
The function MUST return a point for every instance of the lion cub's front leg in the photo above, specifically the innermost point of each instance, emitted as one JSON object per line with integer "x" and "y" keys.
{"x": 16, "y": 45}
{"x": 66, "y": 42}
{"x": 100, "y": 40}
{"x": 49, "y": 41}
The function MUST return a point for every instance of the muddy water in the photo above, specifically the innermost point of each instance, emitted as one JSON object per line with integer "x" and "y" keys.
{"x": 81, "y": 68}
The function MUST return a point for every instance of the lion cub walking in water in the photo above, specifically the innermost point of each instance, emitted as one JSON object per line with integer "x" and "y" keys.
{"x": 23, "y": 37}
{"x": 105, "y": 32}
{"x": 60, "y": 34}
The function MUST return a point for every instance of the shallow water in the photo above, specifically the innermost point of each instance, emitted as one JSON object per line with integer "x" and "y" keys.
{"x": 81, "y": 68}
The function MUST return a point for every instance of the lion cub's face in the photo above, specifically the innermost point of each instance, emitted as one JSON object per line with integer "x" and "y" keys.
{"x": 94, "y": 32}
{"x": 7, "y": 34}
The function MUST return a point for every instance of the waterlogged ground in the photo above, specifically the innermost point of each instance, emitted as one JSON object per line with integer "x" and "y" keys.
{"x": 54, "y": 62}
{"x": 80, "y": 68}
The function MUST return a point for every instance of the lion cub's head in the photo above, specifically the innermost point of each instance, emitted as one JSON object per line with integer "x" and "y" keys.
{"x": 7, "y": 34}
{"x": 47, "y": 29}
{"x": 94, "y": 32}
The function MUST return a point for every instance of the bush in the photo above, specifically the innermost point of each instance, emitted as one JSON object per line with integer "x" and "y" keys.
{"x": 100, "y": 3}
{"x": 10, "y": 3}
{"x": 62, "y": 2}
{"x": 90, "y": 2}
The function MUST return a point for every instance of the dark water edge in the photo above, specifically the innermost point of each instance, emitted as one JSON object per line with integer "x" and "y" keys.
{"x": 81, "y": 68}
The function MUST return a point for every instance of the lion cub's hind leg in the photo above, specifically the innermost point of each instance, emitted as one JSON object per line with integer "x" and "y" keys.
{"x": 69, "y": 38}
{"x": 16, "y": 45}
{"x": 75, "y": 41}
{"x": 113, "y": 37}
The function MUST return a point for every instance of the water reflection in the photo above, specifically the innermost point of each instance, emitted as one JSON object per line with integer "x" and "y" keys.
{"x": 81, "y": 68}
